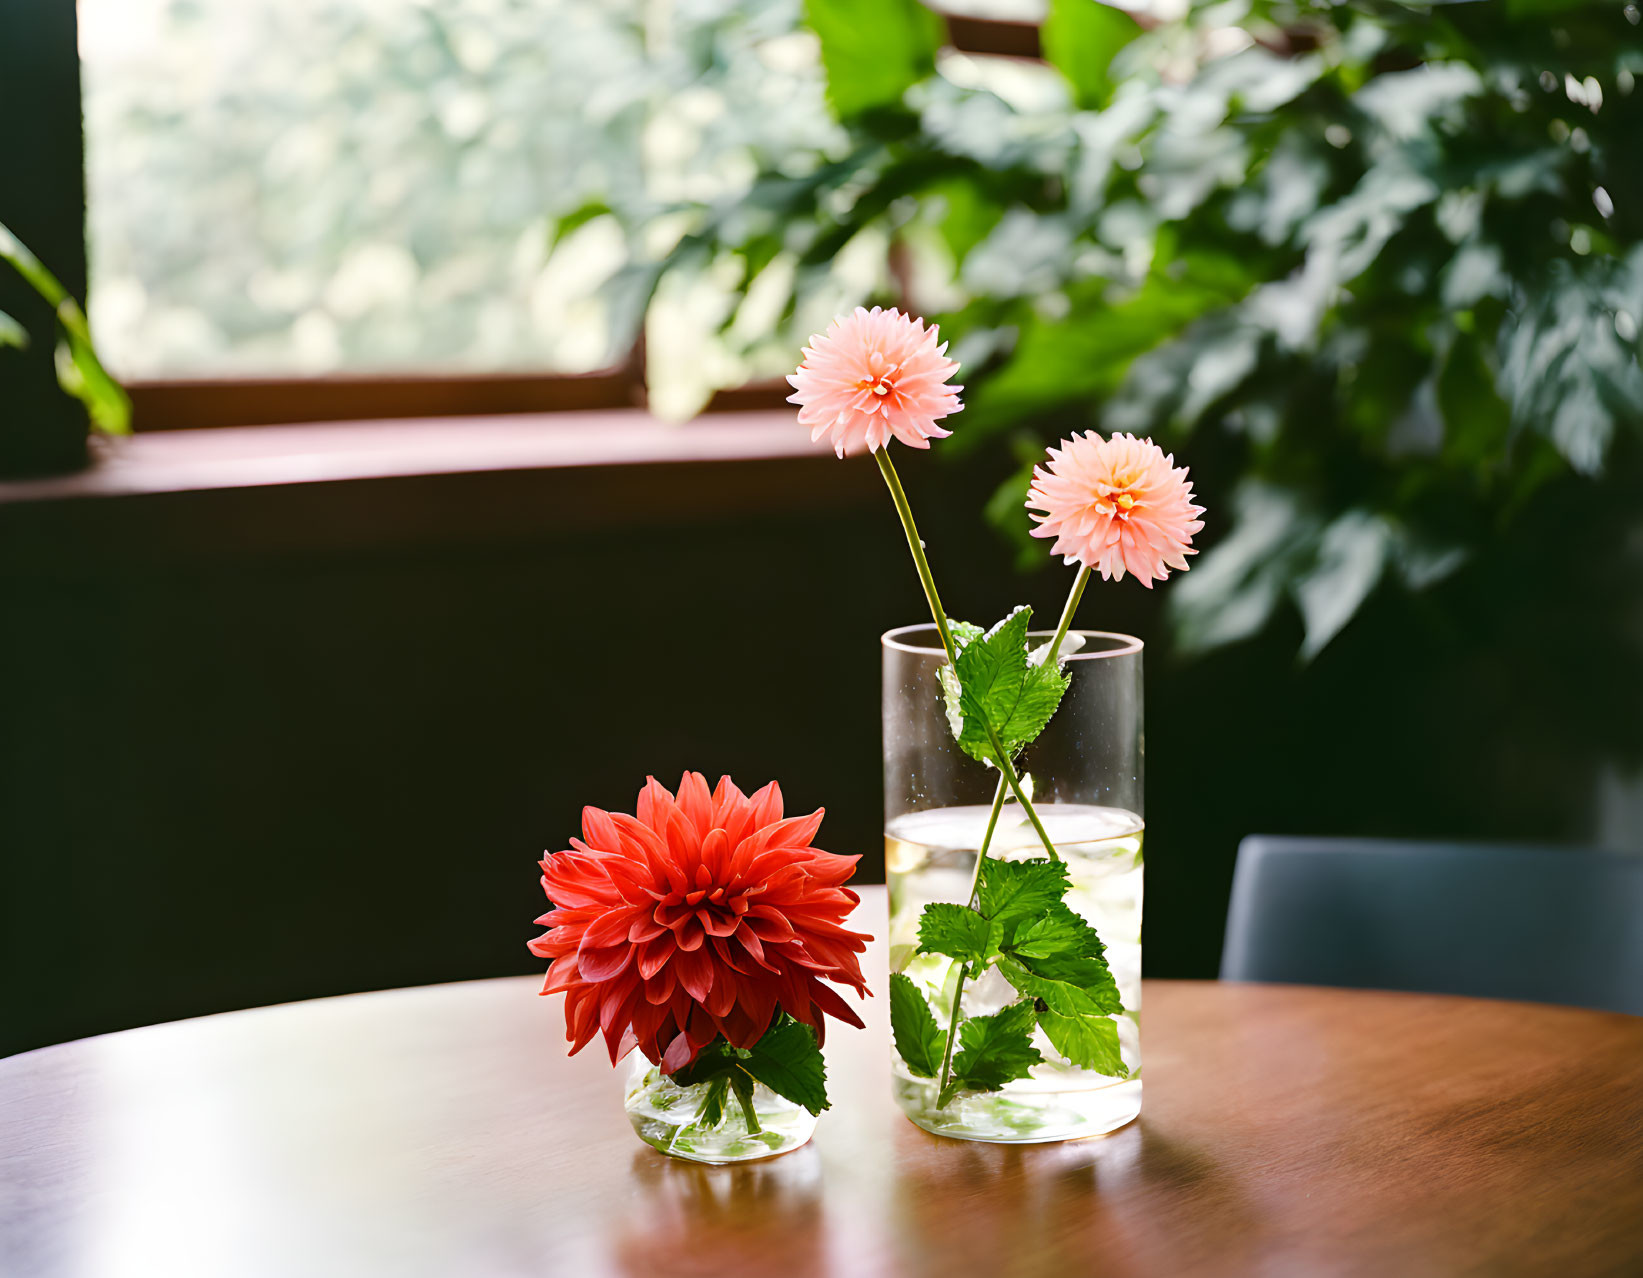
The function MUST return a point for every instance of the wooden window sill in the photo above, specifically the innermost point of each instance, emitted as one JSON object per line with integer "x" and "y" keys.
{"x": 261, "y": 456}
{"x": 325, "y": 488}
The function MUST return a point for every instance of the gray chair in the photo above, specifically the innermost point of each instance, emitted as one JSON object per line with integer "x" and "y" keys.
{"x": 1544, "y": 925}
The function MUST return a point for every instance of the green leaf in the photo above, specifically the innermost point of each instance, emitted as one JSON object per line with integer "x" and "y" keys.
{"x": 1077, "y": 1021}
{"x": 788, "y": 1061}
{"x": 873, "y": 50}
{"x": 958, "y": 931}
{"x": 995, "y": 1050}
{"x": 963, "y": 633}
{"x": 1059, "y": 947}
{"x": 1351, "y": 559}
{"x": 1060, "y": 931}
{"x": 1010, "y": 891}
{"x": 563, "y": 227}
{"x": 713, "y": 1104}
{"x": 715, "y": 1059}
{"x": 1080, "y": 39}
{"x": 919, "y": 1041}
{"x": 998, "y": 686}
{"x": 79, "y": 371}
{"x": 11, "y": 332}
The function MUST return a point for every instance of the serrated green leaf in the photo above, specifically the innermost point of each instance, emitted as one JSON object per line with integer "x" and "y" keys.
{"x": 873, "y": 50}
{"x": 919, "y": 1041}
{"x": 1077, "y": 1021}
{"x": 1089, "y": 974}
{"x": 789, "y": 1062}
{"x": 1010, "y": 891}
{"x": 959, "y": 932}
{"x": 990, "y": 669}
{"x": 998, "y": 686}
{"x": 1059, "y": 931}
{"x": 995, "y": 1050}
{"x": 1080, "y": 39}
{"x": 965, "y": 632}
{"x": 1090, "y": 1042}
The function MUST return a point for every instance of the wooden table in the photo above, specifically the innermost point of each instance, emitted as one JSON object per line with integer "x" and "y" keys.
{"x": 443, "y": 1132}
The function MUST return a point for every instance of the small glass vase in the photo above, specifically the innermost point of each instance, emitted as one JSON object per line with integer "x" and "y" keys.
{"x": 1084, "y": 776}
{"x": 676, "y": 1120}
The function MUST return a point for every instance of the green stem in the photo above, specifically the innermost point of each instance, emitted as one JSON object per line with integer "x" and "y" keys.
{"x": 1077, "y": 593}
{"x": 1067, "y": 612}
{"x": 963, "y": 971}
{"x": 744, "y": 1097}
{"x": 916, "y": 545}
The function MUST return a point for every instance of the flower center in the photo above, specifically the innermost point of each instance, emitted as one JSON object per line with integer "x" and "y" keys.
{"x": 880, "y": 375}
{"x": 1123, "y": 501}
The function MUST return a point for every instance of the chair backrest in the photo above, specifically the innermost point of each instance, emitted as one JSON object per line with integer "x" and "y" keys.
{"x": 1545, "y": 925}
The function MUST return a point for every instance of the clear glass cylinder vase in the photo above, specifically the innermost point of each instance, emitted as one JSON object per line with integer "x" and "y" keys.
{"x": 1084, "y": 777}
{"x": 706, "y": 1123}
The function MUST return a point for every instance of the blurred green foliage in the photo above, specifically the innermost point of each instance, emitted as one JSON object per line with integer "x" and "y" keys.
{"x": 1377, "y": 265}
{"x": 79, "y": 371}
{"x": 305, "y": 186}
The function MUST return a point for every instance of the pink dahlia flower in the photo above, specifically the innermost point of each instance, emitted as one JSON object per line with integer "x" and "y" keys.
{"x": 872, "y": 375}
{"x": 1116, "y": 505}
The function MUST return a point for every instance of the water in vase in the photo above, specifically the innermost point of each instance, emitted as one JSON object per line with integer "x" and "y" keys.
{"x": 931, "y": 856}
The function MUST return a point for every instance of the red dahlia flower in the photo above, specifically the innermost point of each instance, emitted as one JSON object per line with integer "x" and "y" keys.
{"x": 699, "y": 917}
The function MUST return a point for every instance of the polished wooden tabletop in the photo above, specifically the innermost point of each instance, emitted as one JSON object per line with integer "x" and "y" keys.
{"x": 443, "y": 1132}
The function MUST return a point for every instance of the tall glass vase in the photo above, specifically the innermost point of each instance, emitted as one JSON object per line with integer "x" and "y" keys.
{"x": 1084, "y": 777}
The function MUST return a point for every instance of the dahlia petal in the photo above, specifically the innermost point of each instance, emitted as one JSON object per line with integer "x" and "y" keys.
{"x": 581, "y": 1018}
{"x": 684, "y": 847}
{"x": 753, "y": 946}
{"x": 653, "y": 797}
{"x": 715, "y": 856}
{"x": 597, "y": 965}
{"x": 726, "y": 953}
{"x": 721, "y": 998}
{"x": 767, "y": 806}
{"x": 827, "y": 1000}
{"x": 647, "y": 1019}
{"x": 690, "y": 934}
{"x": 608, "y": 930}
{"x": 648, "y": 845}
{"x": 659, "y": 987}
{"x": 600, "y": 831}
{"x": 795, "y": 832}
{"x": 769, "y": 925}
{"x": 563, "y": 888}
{"x": 654, "y": 954}
{"x": 561, "y": 976}
{"x": 631, "y": 882}
{"x": 695, "y": 802}
{"x": 695, "y": 972}
{"x": 679, "y": 1053}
